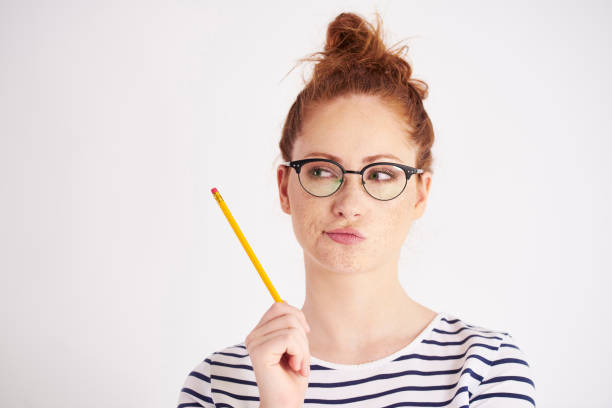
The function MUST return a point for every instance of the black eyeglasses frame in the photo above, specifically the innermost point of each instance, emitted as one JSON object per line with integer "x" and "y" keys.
{"x": 408, "y": 170}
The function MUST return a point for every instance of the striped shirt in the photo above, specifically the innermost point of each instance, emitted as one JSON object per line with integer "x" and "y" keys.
{"x": 449, "y": 364}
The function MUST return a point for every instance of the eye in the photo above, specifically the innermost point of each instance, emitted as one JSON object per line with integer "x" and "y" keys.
{"x": 380, "y": 175}
{"x": 321, "y": 172}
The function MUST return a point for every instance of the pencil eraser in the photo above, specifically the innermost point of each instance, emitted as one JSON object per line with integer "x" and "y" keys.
{"x": 213, "y": 190}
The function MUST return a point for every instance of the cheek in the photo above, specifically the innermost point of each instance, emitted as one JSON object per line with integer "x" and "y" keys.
{"x": 305, "y": 213}
{"x": 398, "y": 217}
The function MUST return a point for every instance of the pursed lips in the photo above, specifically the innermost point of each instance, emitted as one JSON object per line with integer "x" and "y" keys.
{"x": 345, "y": 237}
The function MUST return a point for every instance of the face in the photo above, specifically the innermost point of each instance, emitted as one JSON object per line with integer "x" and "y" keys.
{"x": 351, "y": 128}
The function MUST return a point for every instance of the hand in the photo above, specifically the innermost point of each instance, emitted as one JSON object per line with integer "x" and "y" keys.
{"x": 279, "y": 351}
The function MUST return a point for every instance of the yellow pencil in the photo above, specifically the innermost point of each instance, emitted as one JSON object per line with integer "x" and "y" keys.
{"x": 246, "y": 245}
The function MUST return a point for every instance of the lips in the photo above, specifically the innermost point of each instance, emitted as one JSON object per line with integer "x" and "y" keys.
{"x": 350, "y": 231}
{"x": 347, "y": 236}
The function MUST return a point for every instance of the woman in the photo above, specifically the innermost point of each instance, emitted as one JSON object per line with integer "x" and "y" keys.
{"x": 357, "y": 173}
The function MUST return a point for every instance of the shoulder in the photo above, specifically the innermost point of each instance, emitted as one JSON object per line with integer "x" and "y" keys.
{"x": 451, "y": 324}
{"x": 456, "y": 334}
{"x": 227, "y": 364}
{"x": 228, "y": 359}
{"x": 497, "y": 368}
{"x": 196, "y": 388}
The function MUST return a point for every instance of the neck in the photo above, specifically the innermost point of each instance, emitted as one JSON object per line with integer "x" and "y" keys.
{"x": 350, "y": 312}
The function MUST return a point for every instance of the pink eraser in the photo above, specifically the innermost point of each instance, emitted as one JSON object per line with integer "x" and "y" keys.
{"x": 213, "y": 190}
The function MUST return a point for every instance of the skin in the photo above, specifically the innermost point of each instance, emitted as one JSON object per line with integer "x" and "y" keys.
{"x": 355, "y": 305}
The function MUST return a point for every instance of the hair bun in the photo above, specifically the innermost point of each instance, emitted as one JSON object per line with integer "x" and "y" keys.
{"x": 354, "y": 46}
{"x": 350, "y": 34}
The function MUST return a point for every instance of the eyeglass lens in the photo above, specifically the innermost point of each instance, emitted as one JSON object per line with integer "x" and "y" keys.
{"x": 322, "y": 179}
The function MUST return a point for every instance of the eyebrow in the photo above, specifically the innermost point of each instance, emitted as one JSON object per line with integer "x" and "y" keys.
{"x": 365, "y": 159}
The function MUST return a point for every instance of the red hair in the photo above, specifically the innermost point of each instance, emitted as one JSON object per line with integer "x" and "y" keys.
{"x": 356, "y": 61}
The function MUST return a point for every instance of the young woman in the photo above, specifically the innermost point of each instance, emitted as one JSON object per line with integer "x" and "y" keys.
{"x": 357, "y": 172}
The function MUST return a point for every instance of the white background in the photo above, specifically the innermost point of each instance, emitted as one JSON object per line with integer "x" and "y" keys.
{"x": 119, "y": 273}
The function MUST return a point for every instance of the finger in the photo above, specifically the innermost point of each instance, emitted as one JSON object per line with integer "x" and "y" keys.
{"x": 306, "y": 364}
{"x": 305, "y": 356}
{"x": 257, "y": 341}
{"x": 293, "y": 331}
{"x": 301, "y": 315}
{"x": 276, "y": 309}
{"x": 298, "y": 352}
{"x": 297, "y": 360}
{"x": 305, "y": 368}
{"x": 279, "y": 322}
{"x": 279, "y": 348}
{"x": 280, "y": 308}
{"x": 283, "y": 341}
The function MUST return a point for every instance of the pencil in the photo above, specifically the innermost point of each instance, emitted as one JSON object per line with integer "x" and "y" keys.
{"x": 245, "y": 245}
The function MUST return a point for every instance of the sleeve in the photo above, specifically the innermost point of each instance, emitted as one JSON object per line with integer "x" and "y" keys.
{"x": 196, "y": 391}
{"x": 508, "y": 382}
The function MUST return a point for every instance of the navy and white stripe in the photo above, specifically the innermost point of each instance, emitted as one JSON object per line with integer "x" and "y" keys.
{"x": 450, "y": 364}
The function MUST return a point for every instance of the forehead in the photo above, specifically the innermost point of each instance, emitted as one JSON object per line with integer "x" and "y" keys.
{"x": 353, "y": 127}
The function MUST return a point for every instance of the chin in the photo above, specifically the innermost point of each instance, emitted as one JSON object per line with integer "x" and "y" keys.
{"x": 343, "y": 263}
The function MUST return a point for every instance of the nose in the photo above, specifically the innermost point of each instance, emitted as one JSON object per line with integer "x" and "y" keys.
{"x": 349, "y": 199}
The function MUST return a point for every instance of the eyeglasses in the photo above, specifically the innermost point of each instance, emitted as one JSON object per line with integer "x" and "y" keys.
{"x": 323, "y": 177}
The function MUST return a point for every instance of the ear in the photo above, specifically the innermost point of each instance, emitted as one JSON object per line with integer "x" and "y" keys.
{"x": 422, "y": 193}
{"x": 282, "y": 176}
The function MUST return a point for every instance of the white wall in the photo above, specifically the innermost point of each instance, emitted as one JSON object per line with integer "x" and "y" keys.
{"x": 119, "y": 272}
